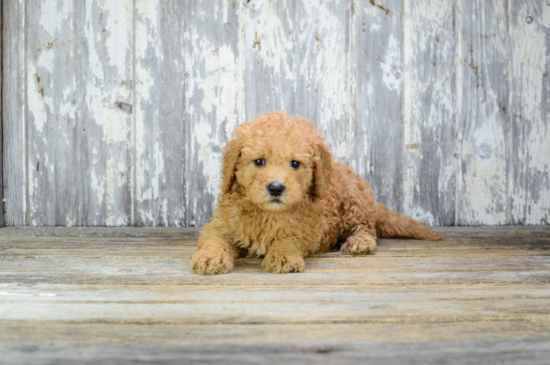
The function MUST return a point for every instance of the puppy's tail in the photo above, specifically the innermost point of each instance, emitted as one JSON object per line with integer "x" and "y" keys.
{"x": 392, "y": 224}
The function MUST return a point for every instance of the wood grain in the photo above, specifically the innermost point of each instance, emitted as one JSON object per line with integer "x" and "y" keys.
{"x": 76, "y": 94}
{"x": 127, "y": 295}
{"x": 1, "y": 126}
{"x": 379, "y": 99}
{"x": 429, "y": 46}
{"x": 213, "y": 99}
{"x": 105, "y": 144}
{"x": 160, "y": 123}
{"x": 530, "y": 112}
{"x": 297, "y": 57}
{"x": 13, "y": 109}
{"x": 116, "y": 113}
{"x": 52, "y": 120}
{"x": 483, "y": 122}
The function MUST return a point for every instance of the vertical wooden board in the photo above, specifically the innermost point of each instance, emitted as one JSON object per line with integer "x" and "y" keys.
{"x": 379, "y": 98}
{"x": 79, "y": 95}
{"x": 160, "y": 139}
{"x": 429, "y": 93}
{"x": 212, "y": 99}
{"x": 322, "y": 64}
{"x": 269, "y": 48}
{"x": 13, "y": 111}
{"x": 530, "y": 119}
{"x": 1, "y": 122}
{"x": 483, "y": 117}
{"x": 53, "y": 165}
{"x": 297, "y": 56}
{"x": 105, "y": 68}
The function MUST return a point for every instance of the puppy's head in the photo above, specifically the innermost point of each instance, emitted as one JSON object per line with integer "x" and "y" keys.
{"x": 279, "y": 161}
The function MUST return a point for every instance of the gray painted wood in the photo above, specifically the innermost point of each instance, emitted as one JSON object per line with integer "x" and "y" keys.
{"x": 79, "y": 83}
{"x": 116, "y": 113}
{"x": 297, "y": 58}
{"x": 13, "y": 109}
{"x": 53, "y": 155}
{"x": 160, "y": 124}
{"x": 429, "y": 48}
{"x": 530, "y": 112}
{"x": 483, "y": 121}
{"x": 379, "y": 75}
{"x": 105, "y": 91}
{"x": 1, "y": 138}
{"x": 213, "y": 100}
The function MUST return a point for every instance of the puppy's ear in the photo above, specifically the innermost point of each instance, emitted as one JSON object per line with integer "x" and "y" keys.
{"x": 230, "y": 159}
{"x": 322, "y": 172}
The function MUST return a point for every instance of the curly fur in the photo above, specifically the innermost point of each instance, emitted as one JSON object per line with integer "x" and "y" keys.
{"x": 324, "y": 203}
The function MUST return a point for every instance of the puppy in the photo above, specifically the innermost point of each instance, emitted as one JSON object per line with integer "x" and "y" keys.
{"x": 283, "y": 198}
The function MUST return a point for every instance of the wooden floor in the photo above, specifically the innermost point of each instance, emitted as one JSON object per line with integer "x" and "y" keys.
{"x": 106, "y": 296}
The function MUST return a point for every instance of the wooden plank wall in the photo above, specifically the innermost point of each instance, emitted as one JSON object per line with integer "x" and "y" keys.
{"x": 1, "y": 139}
{"x": 116, "y": 113}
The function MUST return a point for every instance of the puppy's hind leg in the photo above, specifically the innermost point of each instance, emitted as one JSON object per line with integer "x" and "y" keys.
{"x": 361, "y": 242}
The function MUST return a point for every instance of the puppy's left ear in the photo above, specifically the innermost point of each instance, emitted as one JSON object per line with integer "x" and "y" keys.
{"x": 231, "y": 157}
{"x": 323, "y": 169}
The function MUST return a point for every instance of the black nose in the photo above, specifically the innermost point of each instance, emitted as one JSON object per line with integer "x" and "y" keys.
{"x": 275, "y": 189}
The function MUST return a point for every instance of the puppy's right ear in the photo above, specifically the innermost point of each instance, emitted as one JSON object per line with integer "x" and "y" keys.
{"x": 231, "y": 157}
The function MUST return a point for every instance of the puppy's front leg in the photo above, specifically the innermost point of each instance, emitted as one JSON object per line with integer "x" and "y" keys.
{"x": 284, "y": 256}
{"x": 216, "y": 254}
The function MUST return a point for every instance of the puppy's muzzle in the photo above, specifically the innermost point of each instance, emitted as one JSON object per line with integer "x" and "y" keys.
{"x": 275, "y": 189}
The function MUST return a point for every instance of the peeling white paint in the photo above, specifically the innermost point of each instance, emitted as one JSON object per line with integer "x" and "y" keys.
{"x": 391, "y": 65}
{"x": 266, "y": 37}
{"x": 482, "y": 196}
{"x": 53, "y": 13}
{"x": 119, "y": 24}
{"x": 426, "y": 35}
{"x": 308, "y": 58}
{"x": 531, "y": 59}
{"x": 209, "y": 161}
{"x": 113, "y": 122}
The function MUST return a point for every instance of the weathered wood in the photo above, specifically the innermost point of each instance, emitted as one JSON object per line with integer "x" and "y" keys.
{"x": 98, "y": 296}
{"x": 79, "y": 80}
{"x": 1, "y": 123}
{"x": 379, "y": 98}
{"x": 298, "y": 59}
{"x": 160, "y": 123}
{"x": 529, "y": 186}
{"x": 240, "y": 305}
{"x": 116, "y": 113}
{"x": 269, "y": 45}
{"x": 429, "y": 93}
{"x": 488, "y": 256}
{"x": 213, "y": 99}
{"x": 52, "y": 122}
{"x": 105, "y": 77}
{"x": 482, "y": 126}
{"x": 173, "y": 232}
{"x": 13, "y": 109}
{"x": 315, "y": 344}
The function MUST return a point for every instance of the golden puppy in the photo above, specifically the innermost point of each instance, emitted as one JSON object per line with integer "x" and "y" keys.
{"x": 283, "y": 198}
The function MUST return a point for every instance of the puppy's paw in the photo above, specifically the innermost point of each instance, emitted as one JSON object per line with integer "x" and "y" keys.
{"x": 280, "y": 264}
{"x": 210, "y": 262}
{"x": 359, "y": 245}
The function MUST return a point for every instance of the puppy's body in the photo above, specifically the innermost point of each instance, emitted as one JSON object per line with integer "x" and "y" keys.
{"x": 284, "y": 198}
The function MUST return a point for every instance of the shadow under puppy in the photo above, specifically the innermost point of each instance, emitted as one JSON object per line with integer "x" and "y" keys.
{"x": 283, "y": 198}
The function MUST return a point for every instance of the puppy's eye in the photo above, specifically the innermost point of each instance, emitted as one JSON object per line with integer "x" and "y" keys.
{"x": 259, "y": 162}
{"x": 295, "y": 164}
